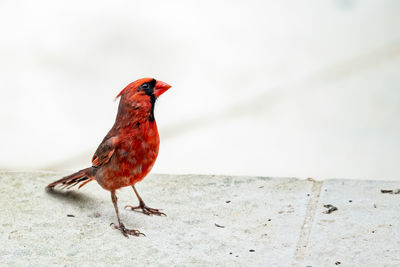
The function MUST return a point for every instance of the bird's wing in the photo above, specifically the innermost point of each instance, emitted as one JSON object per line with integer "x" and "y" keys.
{"x": 104, "y": 152}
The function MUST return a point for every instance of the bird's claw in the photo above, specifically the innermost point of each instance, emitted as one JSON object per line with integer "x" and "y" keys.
{"x": 147, "y": 210}
{"x": 127, "y": 232}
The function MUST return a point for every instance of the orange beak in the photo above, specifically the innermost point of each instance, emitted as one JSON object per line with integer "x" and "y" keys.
{"x": 160, "y": 88}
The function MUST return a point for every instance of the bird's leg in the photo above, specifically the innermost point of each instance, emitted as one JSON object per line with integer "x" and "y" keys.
{"x": 145, "y": 209}
{"x": 126, "y": 232}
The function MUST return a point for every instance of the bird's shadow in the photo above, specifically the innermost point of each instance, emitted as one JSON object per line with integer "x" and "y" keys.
{"x": 74, "y": 197}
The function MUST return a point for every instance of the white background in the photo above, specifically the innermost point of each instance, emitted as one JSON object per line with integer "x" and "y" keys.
{"x": 269, "y": 88}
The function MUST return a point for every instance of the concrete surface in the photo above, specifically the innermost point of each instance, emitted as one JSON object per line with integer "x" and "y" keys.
{"x": 265, "y": 222}
{"x": 365, "y": 229}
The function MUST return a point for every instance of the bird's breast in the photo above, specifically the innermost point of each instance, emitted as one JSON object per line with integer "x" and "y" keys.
{"x": 141, "y": 147}
{"x": 134, "y": 157}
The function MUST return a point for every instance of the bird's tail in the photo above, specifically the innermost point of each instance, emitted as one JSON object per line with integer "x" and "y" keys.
{"x": 73, "y": 179}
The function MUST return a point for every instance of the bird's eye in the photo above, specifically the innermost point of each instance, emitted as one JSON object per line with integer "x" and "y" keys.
{"x": 145, "y": 86}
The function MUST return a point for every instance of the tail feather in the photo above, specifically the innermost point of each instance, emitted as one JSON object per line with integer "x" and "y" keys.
{"x": 73, "y": 179}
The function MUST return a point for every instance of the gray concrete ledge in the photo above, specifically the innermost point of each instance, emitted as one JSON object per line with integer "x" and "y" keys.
{"x": 265, "y": 222}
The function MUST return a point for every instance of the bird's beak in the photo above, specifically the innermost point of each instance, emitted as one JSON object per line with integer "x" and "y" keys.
{"x": 160, "y": 88}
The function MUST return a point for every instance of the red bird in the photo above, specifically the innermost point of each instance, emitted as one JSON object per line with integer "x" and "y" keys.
{"x": 129, "y": 150}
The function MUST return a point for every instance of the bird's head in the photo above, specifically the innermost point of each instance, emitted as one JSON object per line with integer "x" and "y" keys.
{"x": 140, "y": 96}
{"x": 144, "y": 87}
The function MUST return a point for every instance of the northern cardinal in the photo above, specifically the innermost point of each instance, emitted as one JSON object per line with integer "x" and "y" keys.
{"x": 129, "y": 150}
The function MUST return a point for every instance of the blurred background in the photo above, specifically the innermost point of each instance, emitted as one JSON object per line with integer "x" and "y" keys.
{"x": 266, "y": 88}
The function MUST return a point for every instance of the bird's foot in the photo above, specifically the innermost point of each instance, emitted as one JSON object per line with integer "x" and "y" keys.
{"x": 146, "y": 210}
{"x": 127, "y": 232}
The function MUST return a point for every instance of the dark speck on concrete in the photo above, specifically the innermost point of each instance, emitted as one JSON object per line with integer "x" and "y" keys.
{"x": 251, "y": 250}
{"x": 350, "y": 200}
{"x": 70, "y": 215}
{"x": 386, "y": 191}
{"x": 330, "y": 209}
{"x": 337, "y": 263}
{"x": 228, "y": 201}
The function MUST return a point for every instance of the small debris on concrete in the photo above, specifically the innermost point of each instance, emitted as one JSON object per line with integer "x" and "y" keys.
{"x": 261, "y": 186}
{"x": 389, "y": 191}
{"x": 330, "y": 209}
{"x": 228, "y": 201}
{"x": 269, "y": 220}
{"x": 308, "y": 195}
{"x": 251, "y": 250}
{"x": 350, "y": 200}
{"x": 220, "y": 226}
{"x": 70, "y": 215}
{"x": 230, "y": 253}
{"x": 375, "y": 206}
{"x": 337, "y": 263}
{"x": 373, "y": 231}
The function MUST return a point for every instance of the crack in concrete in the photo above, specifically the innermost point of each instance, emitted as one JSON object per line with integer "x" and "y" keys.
{"x": 305, "y": 231}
